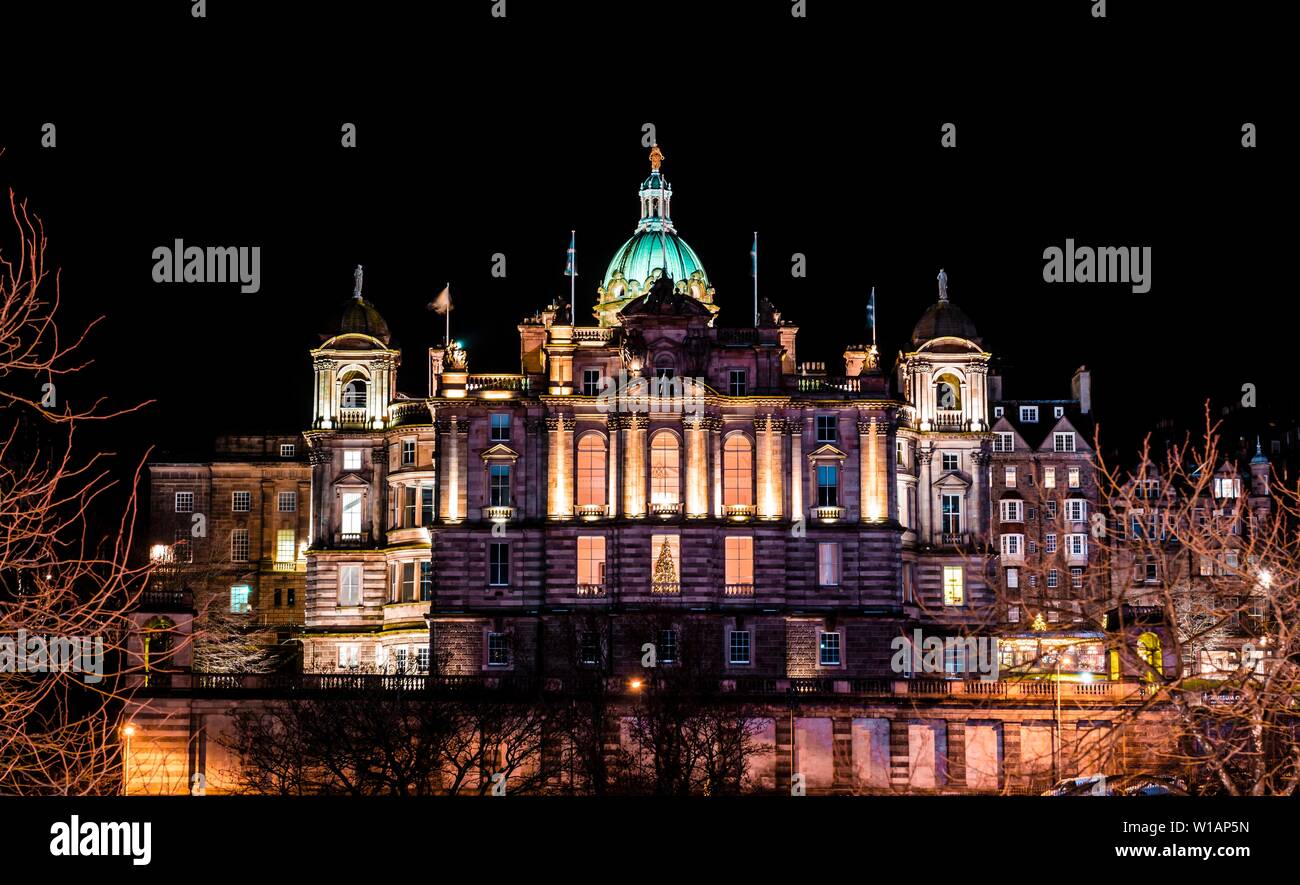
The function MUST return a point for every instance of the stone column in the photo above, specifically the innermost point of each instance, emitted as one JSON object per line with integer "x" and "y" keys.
{"x": 715, "y": 436}
{"x": 768, "y": 477}
{"x": 634, "y": 466}
{"x": 867, "y": 458}
{"x": 795, "y": 428}
{"x": 899, "y": 755}
{"x": 614, "y": 424}
{"x": 891, "y": 467}
{"x": 925, "y": 507}
{"x": 697, "y": 466}
{"x": 979, "y": 462}
{"x": 559, "y": 480}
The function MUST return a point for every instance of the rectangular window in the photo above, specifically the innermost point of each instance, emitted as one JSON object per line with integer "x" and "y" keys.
{"x": 287, "y": 502}
{"x": 349, "y": 656}
{"x": 1029, "y": 414}
{"x": 997, "y": 411}
{"x": 284, "y": 545}
{"x": 1063, "y": 442}
{"x": 1013, "y": 578}
{"x": 241, "y": 502}
{"x": 1013, "y": 545}
{"x": 828, "y": 650}
{"x": 426, "y": 580}
{"x": 422, "y": 658}
{"x": 1049, "y": 477}
{"x": 666, "y": 653}
{"x": 239, "y": 545}
{"x": 1031, "y": 547}
{"x": 738, "y": 382}
{"x": 828, "y": 485}
{"x": 1058, "y": 412}
{"x": 1076, "y": 576}
{"x": 1013, "y": 614}
{"x": 408, "y": 451}
{"x": 950, "y": 461}
{"x": 240, "y": 599}
{"x": 406, "y": 592}
{"x": 499, "y": 564}
{"x": 1049, "y": 543}
{"x": 499, "y": 485}
{"x": 1227, "y": 487}
{"x": 1049, "y": 509}
{"x": 498, "y": 650}
{"x": 349, "y": 585}
{"x": 351, "y": 459}
{"x": 1004, "y": 442}
{"x": 900, "y": 451}
{"x": 1052, "y": 578}
{"x": 352, "y": 514}
{"x": 1074, "y": 477}
{"x": 951, "y": 514}
{"x": 184, "y": 502}
{"x": 400, "y": 659}
{"x": 1076, "y": 510}
{"x": 500, "y": 429}
{"x": 591, "y": 561}
{"x": 738, "y": 647}
{"x": 954, "y": 585}
{"x": 739, "y": 564}
{"x": 665, "y": 563}
{"x": 827, "y": 428}
{"x": 292, "y": 595}
{"x": 279, "y": 595}
{"x": 408, "y": 506}
{"x": 1012, "y": 510}
{"x": 286, "y": 450}
{"x": 1011, "y": 477}
{"x": 828, "y": 563}
{"x": 591, "y": 382}
{"x": 589, "y": 647}
{"x": 426, "y": 505}
{"x": 1076, "y": 545}
{"x": 1033, "y": 580}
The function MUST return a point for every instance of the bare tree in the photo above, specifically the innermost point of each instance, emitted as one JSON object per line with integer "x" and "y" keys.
{"x": 59, "y": 578}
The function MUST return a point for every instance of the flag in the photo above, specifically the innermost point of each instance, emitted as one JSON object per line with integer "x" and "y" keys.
{"x": 568, "y": 268}
{"x": 871, "y": 311}
{"x": 441, "y": 302}
{"x": 753, "y": 258}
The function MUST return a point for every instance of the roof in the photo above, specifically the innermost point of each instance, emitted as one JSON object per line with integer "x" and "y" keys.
{"x": 1038, "y": 434}
{"x": 943, "y": 319}
{"x": 357, "y": 316}
{"x": 646, "y": 250}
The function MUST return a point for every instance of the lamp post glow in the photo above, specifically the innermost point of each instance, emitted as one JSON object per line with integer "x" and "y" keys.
{"x": 128, "y": 732}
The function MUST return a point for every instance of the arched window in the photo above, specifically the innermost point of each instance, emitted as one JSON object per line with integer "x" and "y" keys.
{"x": 665, "y": 469}
{"x": 947, "y": 391}
{"x": 355, "y": 390}
{"x": 737, "y": 470}
{"x": 591, "y": 470}
{"x": 157, "y": 642}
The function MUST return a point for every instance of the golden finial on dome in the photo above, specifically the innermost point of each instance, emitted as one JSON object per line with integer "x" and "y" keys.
{"x": 656, "y": 157}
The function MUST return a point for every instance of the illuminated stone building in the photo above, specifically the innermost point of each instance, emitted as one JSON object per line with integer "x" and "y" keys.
{"x": 650, "y": 477}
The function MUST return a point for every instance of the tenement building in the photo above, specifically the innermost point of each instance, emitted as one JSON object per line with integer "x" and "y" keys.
{"x": 648, "y": 481}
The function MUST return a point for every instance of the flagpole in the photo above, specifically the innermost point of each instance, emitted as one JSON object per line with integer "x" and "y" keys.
{"x": 755, "y": 279}
{"x": 873, "y": 316}
{"x": 447, "y": 333}
{"x": 573, "y": 277}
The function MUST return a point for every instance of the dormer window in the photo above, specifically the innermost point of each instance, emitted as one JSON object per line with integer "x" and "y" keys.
{"x": 1029, "y": 414}
{"x": 997, "y": 411}
{"x": 1059, "y": 412}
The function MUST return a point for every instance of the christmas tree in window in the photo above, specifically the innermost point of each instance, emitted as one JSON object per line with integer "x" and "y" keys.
{"x": 665, "y": 574}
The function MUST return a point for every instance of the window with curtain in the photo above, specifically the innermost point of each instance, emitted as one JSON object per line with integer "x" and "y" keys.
{"x": 591, "y": 470}
{"x": 665, "y": 469}
{"x": 737, "y": 470}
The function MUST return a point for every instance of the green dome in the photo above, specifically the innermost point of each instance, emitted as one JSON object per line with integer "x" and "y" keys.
{"x": 648, "y": 250}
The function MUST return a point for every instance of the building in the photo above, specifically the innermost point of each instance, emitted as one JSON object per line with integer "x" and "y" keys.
{"x": 652, "y": 477}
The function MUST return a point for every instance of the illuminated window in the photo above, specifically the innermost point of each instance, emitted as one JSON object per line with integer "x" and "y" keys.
{"x": 184, "y": 502}
{"x": 828, "y": 563}
{"x": 1049, "y": 477}
{"x": 665, "y": 568}
{"x": 351, "y": 459}
{"x": 241, "y": 502}
{"x": 1227, "y": 487}
{"x": 349, "y": 656}
{"x": 240, "y": 599}
{"x": 737, "y": 470}
{"x": 284, "y": 545}
{"x": 1011, "y": 477}
{"x": 665, "y": 469}
{"x": 1074, "y": 477}
{"x": 591, "y": 560}
{"x": 954, "y": 585}
{"x": 739, "y": 561}
{"x": 591, "y": 470}
{"x": 350, "y": 585}
{"x": 900, "y": 450}
{"x": 239, "y": 545}
{"x": 1013, "y": 578}
{"x": 351, "y": 513}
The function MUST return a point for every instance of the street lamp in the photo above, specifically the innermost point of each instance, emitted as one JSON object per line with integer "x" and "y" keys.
{"x": 128, "y": 732}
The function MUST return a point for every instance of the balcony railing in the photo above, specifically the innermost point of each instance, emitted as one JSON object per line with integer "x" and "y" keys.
{"x": 741, "y": 512}
{"x": 166, "y": 600}
{"x": 590, "y": 335}
{"x": 738, "y": 590}
{"x": 666, "y": 588}
{"x": 955, "y": 539}
{"x": 663, "y": 510}
{"x": 353, "y": 418}
{"x": 949, "y": 419}
{"x": 590, "y": 511}
{"x": 828, "y": 514}
{"x": 499, "y": 514}
{"x": 350, "y": 539}
{"x": 291, "y": 566}
{"x": 591, "y": 589}
{"x": 501, "y": 382}
{"x": 827, "y": 384}
{"x": 404, "y": 414}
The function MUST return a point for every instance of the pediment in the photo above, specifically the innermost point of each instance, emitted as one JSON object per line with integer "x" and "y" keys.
{"x": 500, "y": 452}
{"x": 826, "y": 452}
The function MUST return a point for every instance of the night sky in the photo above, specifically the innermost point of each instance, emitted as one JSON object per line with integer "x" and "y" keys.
{"x": 822, "y": 152}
